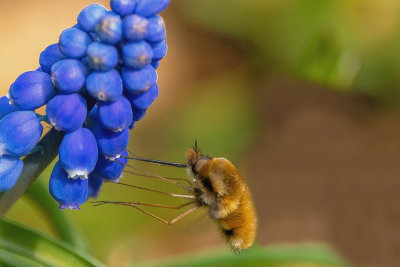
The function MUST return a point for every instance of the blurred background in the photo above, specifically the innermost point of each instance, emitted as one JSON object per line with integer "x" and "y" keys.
{"x": 303, "y": 96}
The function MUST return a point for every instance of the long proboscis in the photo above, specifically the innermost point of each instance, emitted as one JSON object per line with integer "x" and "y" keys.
{"x": 160, "y": 162}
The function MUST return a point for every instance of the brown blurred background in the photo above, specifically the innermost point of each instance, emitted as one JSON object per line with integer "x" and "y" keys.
{"x": 302, "y": 95}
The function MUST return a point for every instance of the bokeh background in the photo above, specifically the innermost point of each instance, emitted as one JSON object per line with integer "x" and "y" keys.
{"x": 303, "y": 96}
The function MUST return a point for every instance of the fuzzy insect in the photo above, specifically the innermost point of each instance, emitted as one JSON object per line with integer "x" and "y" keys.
{"x": 217, "y": 185}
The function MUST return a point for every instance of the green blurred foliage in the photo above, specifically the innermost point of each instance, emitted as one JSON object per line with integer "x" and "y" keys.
{"x": 351, "y": 45}
{"x": 272, "y": 256}
{"x": 22, "y": 246}
{"x": 219, "y": 113}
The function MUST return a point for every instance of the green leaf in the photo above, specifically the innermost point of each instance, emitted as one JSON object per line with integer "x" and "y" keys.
{"x": 21, "y": 246}
{"x": 306, "y": 254}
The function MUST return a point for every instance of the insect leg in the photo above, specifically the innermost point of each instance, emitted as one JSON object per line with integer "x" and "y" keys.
{"x": 157, "y": 191}
{"x": 102, "y": 202}
{"x": 151, "y": 176}
{"x": 135, "y": 205}
{"x": 188, "y": 188}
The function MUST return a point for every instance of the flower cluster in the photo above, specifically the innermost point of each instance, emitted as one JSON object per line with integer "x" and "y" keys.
{"x": 108, "y": 58}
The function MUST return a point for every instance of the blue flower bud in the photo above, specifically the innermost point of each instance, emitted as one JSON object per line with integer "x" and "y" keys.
{"x": 69, "y": 193}
{"x": 102, "y": 56}
{"x": 19, "y": 133}
{"x": 115, "y": 116}
{"x": 109, "y": 28}
{"x": 155, "y": 30}
{"x": 137, "y": 55}
{"x": 31, "y": 90}
{"x": 90, "y": 16}
{"x": 134, "y": 28}
{"x": 68, "y": 75}
{"x": 49, "y": 56}
{"x": 94, "y": 185}
{"x": 139, "y": 80}
{"x": 74, "y": 42}
{"x": 111, "y": 170}
{"x": 111, "y": 144}
{"x": 78, "y": 153}
{"x": 132, "y": 125}
{"x": 123, "y": 7}
{"x": 159, "y": 50}
{"x": 149, "y": 8}
{"x": 5, "y": 107}
{"x": 67, "y": 112}
{"x": 138, "y": 114}
{"x": 143, "y": 100}
{"x": 10, "y": 170}
{"x": 104, "y": 86}
{"x": 155, "y": 64}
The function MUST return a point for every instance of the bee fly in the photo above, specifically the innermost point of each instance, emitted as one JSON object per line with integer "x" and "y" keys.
{"x": 216, "y": 184}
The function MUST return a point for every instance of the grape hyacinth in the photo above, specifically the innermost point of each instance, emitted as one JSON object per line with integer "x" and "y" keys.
{"x": 96, "y": 83}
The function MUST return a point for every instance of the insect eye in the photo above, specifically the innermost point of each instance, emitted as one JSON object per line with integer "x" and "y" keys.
{"x": 199, "y": 164}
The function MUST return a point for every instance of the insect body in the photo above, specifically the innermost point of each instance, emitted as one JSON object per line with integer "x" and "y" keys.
{"x": 216, "y": 184}
{"x": 219, "y": 186}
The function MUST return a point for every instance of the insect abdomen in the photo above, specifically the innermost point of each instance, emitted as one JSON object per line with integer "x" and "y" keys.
{"x": 239, "y": 227}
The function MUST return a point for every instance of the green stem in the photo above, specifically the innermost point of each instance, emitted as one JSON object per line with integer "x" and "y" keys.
{"x": 35, "y": 150}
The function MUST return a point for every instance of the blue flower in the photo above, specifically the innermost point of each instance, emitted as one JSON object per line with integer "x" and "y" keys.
{"x": 104, "y": 86}
{"x": 102, "y": 56}
{"x": 123, "y": 7}
{"x": 10, "y": 170}
{"x": 49, "y": 56}
{"x": 5, "y": 107}
{"x": 138, "y": 114}
{"x": 95, "y": 184}
{"x": 74, "y": 42}
{"x": 78, "y": 153}
{"x": 111, "y": 144}
{"x": 156, "y": 30}
{"x": 143, "y": 100}
{"x": 109, "y": 28}
{"x": 149, "y": 8}
{"x": 19, "y": 133}
{"x": 159, "y": 50}
{"x": 31, "y": 90}
{"x": 67, "y": 112}
{"x": 68, "y": 75}
{"x": 155, "y": 64}
{"x": 139, "y": 80}
{"x": 134, "y": 27}
{"x": 137, "y": 55}
{"x": 111, "y": 170}
{"x": 115, "y": 116}
{"x": 90, "y": 16}
{"x": 107, "y": 61}
{"x": 69, "y": 193}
